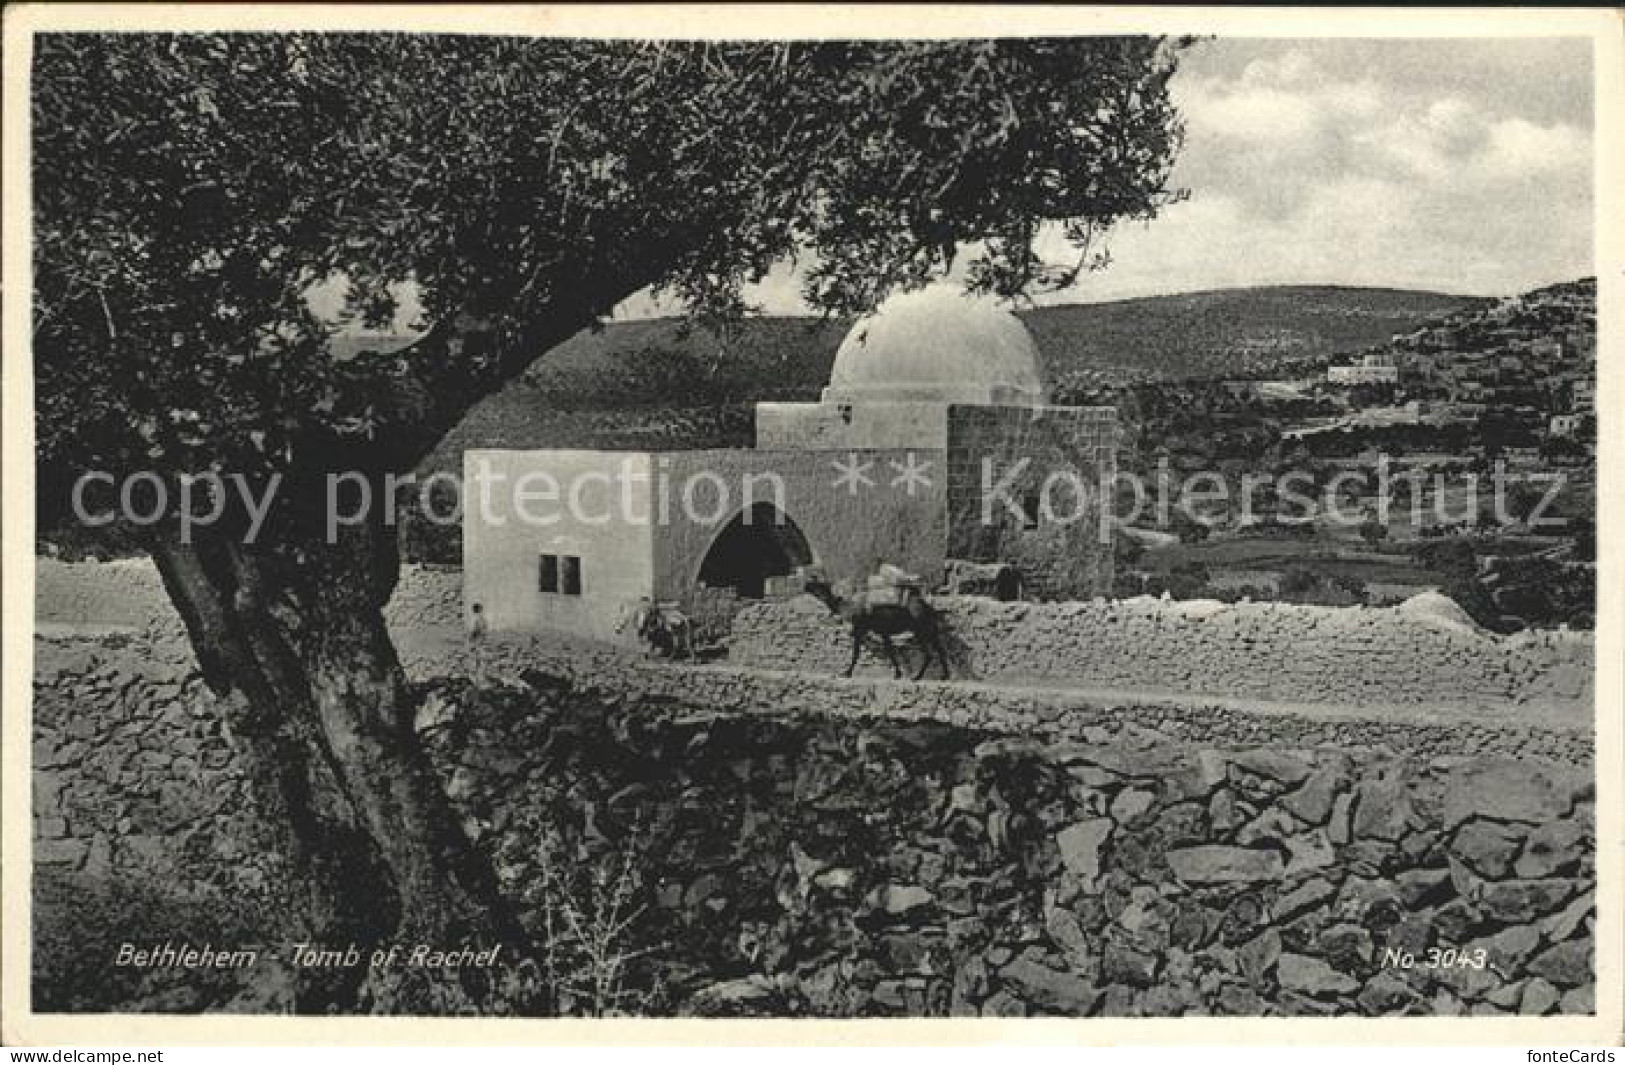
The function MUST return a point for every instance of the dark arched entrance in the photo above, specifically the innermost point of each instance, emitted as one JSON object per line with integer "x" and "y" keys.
{"x": 760, "y": 542}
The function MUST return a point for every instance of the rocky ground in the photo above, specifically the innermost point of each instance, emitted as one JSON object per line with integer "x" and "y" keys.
{"x": 720, "y": 853}
{"x": 847, "y": 868}
{"x": 685, "y": 861}
{"x": 1421, "y": 660}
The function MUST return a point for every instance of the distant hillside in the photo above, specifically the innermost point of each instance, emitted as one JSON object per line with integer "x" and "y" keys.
{"x": 1225, "y": 333}
{"x": 656, "y": 385}
{"x": 1584, "y": 289}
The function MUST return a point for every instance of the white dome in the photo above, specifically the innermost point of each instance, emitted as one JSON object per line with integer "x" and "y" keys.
{"x": 938, "y": 344}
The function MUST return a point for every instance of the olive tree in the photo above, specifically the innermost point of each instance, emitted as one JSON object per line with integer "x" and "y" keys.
{"x": 190, "y": 191}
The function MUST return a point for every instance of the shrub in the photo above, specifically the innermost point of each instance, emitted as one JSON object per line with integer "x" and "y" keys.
{"x": 1188, "y": 529}
{"x": 1127, "y": 550}
{"x": 1471, "y": 595}
{"x": 1585, "y": 542}
{"x": 1543, "y": 591}
{"x": 591, "y": 915}
{"x": 1275, "y": 527}
{"x": 426, "y": 540}
{"x": 1373, "y": 531}
{"x": 1128, "y": 585}
{"x": 1299, "y": 584}
{"x": 1453, "y": 557}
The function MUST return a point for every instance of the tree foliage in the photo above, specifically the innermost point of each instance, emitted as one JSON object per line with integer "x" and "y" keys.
{"x": 191, "y": 190}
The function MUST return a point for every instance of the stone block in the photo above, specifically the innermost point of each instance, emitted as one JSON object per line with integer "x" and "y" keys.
{"x": 1080, "y": 846}
{"x": 1487, "y": 847}
{"x": 1524, "y": 900}
{"x": 1555, "y": 847}
{"x": 68, "y": 852}
{"x": 1382, "y": 810}
{"x": 1539, "y": 997}
{"x": 1217, "y": 864}
{"x": 1506, "y": 790}
{"x": 1312, "y": 976}
{"x": 1568, "y": 964}
{"x": 1049, "y": 989}
{"x": 1312, "y": 801}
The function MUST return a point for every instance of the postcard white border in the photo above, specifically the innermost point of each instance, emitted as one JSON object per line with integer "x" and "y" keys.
{"x": 19, "y": 1026}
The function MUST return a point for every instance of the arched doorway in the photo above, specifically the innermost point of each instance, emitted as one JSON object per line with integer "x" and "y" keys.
{"x": 760, "y": 542}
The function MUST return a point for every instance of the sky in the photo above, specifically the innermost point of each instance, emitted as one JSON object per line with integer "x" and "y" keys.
{"x": 1451, "y": 165}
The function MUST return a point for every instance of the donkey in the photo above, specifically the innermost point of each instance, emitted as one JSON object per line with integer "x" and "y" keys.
{"x": 664, "y": 628}
{"x": 912, "y": 615}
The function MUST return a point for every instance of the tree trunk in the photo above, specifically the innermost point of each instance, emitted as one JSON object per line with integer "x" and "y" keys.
{"x": 291, "y": 638}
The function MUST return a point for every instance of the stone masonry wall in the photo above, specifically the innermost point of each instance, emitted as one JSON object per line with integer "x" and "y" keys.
{"x": 1055, "y": 714}
{"x": 1046, "y": 457}
{"x": 128, "y": 597}
{"x": 790, "y": 860}
{"x": 144, "y": 829}
{"x": 1414, "y": 655}
{"x": 815, "y": 866}
{"x": 810, "y": 845}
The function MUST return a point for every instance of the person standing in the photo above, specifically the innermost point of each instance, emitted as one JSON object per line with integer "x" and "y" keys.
{"x": 478, "y": 630}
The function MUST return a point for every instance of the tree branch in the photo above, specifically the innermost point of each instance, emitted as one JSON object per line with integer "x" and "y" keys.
{"x": 426, "y": 388}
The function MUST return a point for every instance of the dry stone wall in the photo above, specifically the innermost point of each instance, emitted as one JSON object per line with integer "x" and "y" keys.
{"x": 800, "y": 844}
{"x": 126, "y": 594}
{"x": 1059, "y": 462}
{"x": 1053, "y": 713}
{"x": 1424, "y": 653}
{"x": 873, "y": 867}
{"x": 143, "y": 827}
{"x": 128, "y": 597}
{"x": 1418, "y": 654}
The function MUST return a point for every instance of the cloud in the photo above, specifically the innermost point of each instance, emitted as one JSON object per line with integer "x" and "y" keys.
{"x": 1444, "y": 164}
{"x": 1306, "y": 166}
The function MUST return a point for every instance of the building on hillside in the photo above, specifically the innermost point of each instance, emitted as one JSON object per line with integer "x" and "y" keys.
{"x": 1376, "y": 367}
{"x": 1400, "y": 414}
{"x": 1580, "y": 343}
{"x": 1583, "y": 397}
{"x": 1566, "y": 425}
{"x": 934, "y": 440}
{"x": 1521, "y": 458}
{"x": 1545, "y": 349}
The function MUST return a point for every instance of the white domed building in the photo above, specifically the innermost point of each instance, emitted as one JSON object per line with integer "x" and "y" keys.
{"x": 933, "y": 441}
{"x": 938, "y": 345}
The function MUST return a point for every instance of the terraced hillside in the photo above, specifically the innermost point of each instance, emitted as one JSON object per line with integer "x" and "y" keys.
{"x": 1204, "y": 334}
{"x": 659, "y": 384}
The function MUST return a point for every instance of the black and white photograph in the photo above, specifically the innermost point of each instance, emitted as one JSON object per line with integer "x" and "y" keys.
{"x": 952, "y": 518}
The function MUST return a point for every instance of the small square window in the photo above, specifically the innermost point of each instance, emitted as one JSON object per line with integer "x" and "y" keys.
{"x": 559, "y": 574}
